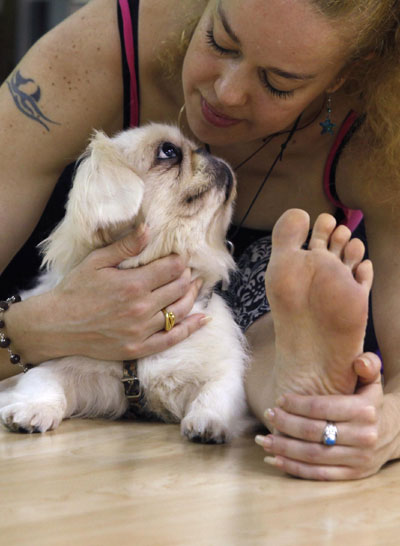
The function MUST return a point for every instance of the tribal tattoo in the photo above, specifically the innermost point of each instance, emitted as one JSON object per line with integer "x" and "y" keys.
{"x": 27, "y": 103}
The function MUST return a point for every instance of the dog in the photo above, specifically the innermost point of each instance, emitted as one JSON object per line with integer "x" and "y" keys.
{"x": 151, "y": 174}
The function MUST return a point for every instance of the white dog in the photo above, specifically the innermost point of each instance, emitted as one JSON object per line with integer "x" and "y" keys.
{"x": 185, "y": 196}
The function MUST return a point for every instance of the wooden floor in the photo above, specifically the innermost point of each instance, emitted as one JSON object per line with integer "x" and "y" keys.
{"x": 124, "y": 483}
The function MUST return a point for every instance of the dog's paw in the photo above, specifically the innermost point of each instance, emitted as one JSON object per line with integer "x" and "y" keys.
{"x": 31, "y": 417}
{"x": 205, "y": 428}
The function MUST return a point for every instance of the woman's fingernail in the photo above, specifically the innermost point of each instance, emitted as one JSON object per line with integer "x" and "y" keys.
{"x": 205, "y": 320}
{"x": 199, "y": 283}
{"x": 280, "y": 401}
{"x": 263, "y": 441}
{"x": 269, "y": 414}
{"x": 273, "y": 461}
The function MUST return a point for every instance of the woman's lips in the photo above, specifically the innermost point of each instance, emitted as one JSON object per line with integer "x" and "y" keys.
{"x": 214, "y": 117}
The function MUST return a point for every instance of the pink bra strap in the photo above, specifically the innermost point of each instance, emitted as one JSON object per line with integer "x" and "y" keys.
{"x": 352, "y": 217}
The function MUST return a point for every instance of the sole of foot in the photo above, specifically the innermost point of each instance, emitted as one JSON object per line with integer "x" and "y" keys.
{"x": 319, "y": 304}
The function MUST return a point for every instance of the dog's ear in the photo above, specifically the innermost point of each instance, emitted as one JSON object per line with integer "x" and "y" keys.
{"x": 104, "y": 201}
{"x": 106, "y": 193}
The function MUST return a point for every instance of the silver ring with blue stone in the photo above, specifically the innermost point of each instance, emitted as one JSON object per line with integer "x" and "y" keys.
{"x": 330, "y": 434}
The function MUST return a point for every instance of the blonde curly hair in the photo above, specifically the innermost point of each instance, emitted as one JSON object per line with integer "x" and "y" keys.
{"x": 373, "y": 77}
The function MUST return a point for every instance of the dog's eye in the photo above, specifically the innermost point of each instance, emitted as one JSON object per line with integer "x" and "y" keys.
{"x": 167, "y": 150}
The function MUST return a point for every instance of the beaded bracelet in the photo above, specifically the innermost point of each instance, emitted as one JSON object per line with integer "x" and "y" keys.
{"x": 5, "y": 342}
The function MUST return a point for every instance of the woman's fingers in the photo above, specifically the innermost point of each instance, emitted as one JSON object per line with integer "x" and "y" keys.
{"x": 368, "y": 368}
{"x": 112, "y": 312}
{"x": 318, "y": 472}
{"x": 297, "y": 447}
{"x": 329, "y": 408}
{"x": 333, "y": 407}
{"x": 115, "y": 253}
{"x": 116, "y": 312}
{"x": 161, "y": 272}
{"x": 360, "y": 433}
{"x": 178, "y": 298}
{"x": 312, "y": 453}
{"x": 184, "y": 325}
{"x": 162, "y": 340}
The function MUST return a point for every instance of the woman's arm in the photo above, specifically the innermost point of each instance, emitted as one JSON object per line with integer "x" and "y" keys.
{"x": 382, "y": 220}
{"x": 103, "y": 312}
{"x": 68, "y": 83}
{"x": 380, "y": 202}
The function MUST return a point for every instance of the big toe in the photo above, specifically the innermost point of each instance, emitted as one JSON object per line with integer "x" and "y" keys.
{"x": 291, "y": 229}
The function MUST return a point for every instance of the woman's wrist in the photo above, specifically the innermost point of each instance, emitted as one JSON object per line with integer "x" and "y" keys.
{"x": 29, "y": 326}
{"x": 5, "y": 340}
{"x": 390, "y": 425}
{"x": 6, "y": 368}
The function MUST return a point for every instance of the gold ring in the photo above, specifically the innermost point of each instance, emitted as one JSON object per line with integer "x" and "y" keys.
{"x": 169, "y": 319}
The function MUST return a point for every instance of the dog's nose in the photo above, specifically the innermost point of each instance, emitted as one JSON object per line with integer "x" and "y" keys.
{"x": 224, "y": 177}
{"x": 202, "y": 151}
{"x": 223, "y": 174}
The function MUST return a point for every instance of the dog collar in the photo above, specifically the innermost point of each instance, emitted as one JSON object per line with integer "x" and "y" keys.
{"x": 134, "y": 393}
{"x": 133, "y": 389}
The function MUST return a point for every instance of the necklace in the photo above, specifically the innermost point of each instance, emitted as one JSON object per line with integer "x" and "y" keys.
{"x": 279, "y": 157}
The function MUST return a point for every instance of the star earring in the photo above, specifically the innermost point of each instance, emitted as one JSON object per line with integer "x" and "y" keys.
{"x": 327, "y": 125}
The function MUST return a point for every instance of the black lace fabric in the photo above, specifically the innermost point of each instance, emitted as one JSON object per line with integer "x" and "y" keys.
{"x": 246, "y": 292}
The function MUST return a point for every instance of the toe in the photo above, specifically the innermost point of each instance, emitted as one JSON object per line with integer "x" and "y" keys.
{"x": 364, "y": 273}
{"x": 291, "y": 229}
{"x": 338, "y": 241}
{"x": 323, "y": 228}
{"x": 353, "y": 253}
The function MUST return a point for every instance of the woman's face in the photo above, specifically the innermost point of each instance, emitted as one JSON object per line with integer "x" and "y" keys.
{"x": 254, "y": 65}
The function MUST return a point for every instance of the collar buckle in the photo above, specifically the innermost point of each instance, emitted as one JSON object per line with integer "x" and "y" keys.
{"x": 132, "y": 386}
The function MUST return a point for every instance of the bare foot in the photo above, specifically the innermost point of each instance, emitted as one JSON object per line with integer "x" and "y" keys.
{"x": 319, "y": 304}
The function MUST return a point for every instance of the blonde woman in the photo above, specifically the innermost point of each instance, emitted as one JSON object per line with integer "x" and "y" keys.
{"x": 301, "y": 97}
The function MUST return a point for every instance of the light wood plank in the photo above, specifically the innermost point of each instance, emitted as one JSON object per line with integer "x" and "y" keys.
{"x": 125, "y": 483}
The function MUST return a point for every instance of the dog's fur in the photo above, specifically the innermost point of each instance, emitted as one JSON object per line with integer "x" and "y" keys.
{"x": 187, "y": 203}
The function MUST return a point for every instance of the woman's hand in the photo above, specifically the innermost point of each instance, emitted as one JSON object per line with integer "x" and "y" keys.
{"x": 363, "y": 440}
{"x": 103, "y": 312}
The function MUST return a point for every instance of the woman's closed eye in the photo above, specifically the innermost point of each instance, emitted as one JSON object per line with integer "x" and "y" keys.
{"x": 212, "y": 42}
{"x": 273, "y": 90}
{"x": 263, "y": 76}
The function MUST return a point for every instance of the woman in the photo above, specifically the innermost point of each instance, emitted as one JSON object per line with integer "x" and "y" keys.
{"x": 260, "y": 81}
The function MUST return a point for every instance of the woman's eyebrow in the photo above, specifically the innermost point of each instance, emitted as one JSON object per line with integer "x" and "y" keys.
{"x": 277, "y": 71}
{"x": 290, "y": 75}
{"x": 226, "y": 25}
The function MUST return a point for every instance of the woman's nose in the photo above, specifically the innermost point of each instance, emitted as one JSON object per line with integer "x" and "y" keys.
{"x": 231, "y": 86}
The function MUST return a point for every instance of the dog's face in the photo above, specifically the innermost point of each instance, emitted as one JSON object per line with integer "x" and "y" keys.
{"x": 186, "y": 190}
{"x": 152, "y": 174}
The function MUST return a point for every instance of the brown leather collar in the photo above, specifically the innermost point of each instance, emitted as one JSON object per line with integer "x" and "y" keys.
{"x": 133, "y": 389}
{"x": 134, "y": 392}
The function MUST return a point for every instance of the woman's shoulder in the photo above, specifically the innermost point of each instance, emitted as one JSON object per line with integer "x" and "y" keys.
{"x": 91, "y": 28}
{"x": 84, "y": 52}
{"x": 359, "y": 182}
